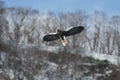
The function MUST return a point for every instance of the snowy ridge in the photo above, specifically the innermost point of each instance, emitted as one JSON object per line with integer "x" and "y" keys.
{"x": 111, "y": 58}
{"x": 50, "y": 48}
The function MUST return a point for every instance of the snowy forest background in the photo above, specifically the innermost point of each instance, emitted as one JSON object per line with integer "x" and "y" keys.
{"x": 25, "y": 56}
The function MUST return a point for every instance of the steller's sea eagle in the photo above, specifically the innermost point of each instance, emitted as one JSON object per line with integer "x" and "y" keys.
{"x": 62, "y": 34}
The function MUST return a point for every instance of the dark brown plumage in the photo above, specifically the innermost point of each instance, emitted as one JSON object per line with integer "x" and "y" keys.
{"x": 62, "y": 34}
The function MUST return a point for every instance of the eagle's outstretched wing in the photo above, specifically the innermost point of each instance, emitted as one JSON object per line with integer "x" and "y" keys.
{"x": 55, "y": 36}
{"x": 73, "y": 31}
{"x": 51, "y": 37}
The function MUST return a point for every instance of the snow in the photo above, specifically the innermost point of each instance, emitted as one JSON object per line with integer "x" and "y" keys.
{"x": 108, "y": 72}
{"x": 111, "y": 58}
{"x": 11, "y": 74}
{"x": 1, "y": 71}
{"x": 2, "y": 56}
{"x": 38, "y": 77}
{"x": 52, "y": 66}
{"x": 42, "y": 76}
{"x": 50, "y": 48}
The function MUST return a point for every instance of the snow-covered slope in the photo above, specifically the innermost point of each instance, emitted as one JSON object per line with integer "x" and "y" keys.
{"x": 113, "y": 59}
{"x": 38, "y": 65}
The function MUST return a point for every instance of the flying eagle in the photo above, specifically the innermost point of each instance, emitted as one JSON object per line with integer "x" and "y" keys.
{"x": 62, "y": 34}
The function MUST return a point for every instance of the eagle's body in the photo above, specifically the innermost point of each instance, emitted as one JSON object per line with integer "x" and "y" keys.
{"x": 62, "y": 34}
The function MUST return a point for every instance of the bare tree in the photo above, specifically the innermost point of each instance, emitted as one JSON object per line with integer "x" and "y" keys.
{"x": 116, "y": 31}
{"x": 18, "y": 16}
{"x": 3, "y": 22}
{"x": 97, "y": 24}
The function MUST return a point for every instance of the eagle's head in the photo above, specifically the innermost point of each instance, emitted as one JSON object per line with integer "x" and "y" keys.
{"x": 58, "y": 30}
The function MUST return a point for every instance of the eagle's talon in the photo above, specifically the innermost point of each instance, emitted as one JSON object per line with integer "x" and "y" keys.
{"x": 64, "y": 42}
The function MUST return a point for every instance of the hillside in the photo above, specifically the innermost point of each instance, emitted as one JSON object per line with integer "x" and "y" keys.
{"x": 33, "y": 64}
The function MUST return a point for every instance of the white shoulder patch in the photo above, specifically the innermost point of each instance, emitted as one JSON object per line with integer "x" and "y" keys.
{"x": 52, "y": 33}
{"x": 69, "y": 28}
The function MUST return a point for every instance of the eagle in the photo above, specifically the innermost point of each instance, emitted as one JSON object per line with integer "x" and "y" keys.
{"x": 63, "y": 34}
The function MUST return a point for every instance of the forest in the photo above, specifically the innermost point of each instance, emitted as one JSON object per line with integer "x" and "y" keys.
{"x": 25, "y": 56}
